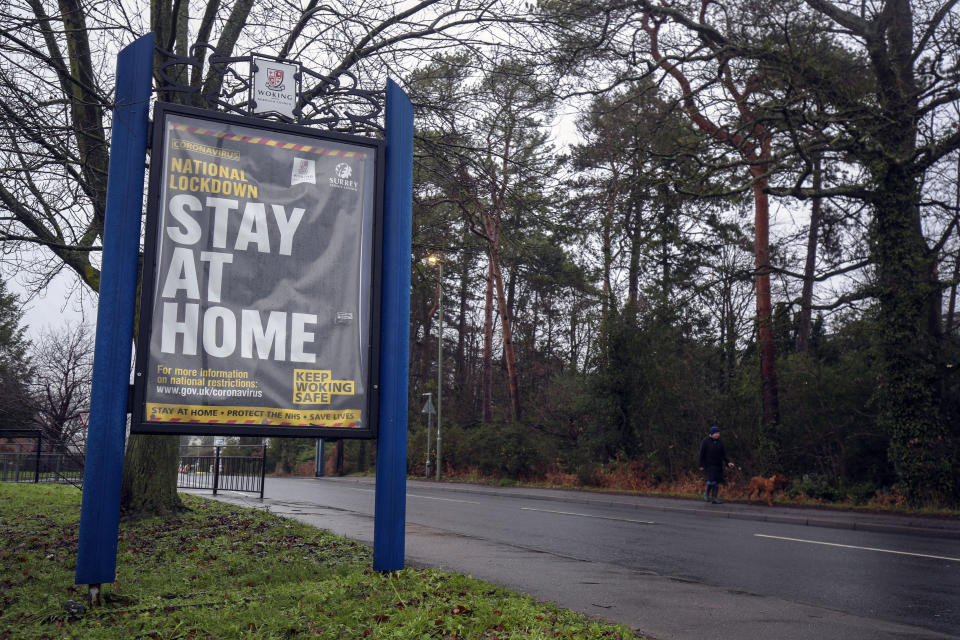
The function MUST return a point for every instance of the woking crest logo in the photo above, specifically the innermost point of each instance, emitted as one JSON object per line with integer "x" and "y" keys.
{"x": 274, "y": 79}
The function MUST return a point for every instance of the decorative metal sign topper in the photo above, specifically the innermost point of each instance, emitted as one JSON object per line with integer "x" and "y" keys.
{"x": 210, "y": 81}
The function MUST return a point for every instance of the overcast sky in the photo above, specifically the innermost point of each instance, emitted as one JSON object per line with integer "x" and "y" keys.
{"x": 55, "y": 307}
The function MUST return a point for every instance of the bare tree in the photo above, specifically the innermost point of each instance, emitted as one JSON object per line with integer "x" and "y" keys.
{"x": 60, "y": 390}
{"x": 56, "y": 84}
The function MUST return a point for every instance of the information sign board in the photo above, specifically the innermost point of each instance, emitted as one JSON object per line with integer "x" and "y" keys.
{"x": 259, "y": 306}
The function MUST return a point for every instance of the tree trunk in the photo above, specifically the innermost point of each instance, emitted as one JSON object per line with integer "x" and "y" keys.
{"x": 908, "y": 394}
{"x": 951, "y": 311}
{"x": 806, "y": 296}
{"x": 462, "y": 326}
{"x": 730, "y": 340}
{"x": 668, "y": 212}
{"x": 909, "y": 292}
{"x": 950, "y": 323}
{"x": 486, "y": 375}
{"x": 506, "y": 326}
{"x": 770, "y": 431}
{"x": 633, "y": 271}
{"x": 362, "y": 457}
{"x": 149, "y": 486}
{"x": 149, "y": 483}
{"x": 574, "y": 342}
{"x": 607, "y": 250}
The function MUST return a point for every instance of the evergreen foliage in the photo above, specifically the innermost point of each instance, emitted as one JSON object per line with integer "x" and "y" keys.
{"x": 16, "y": 369}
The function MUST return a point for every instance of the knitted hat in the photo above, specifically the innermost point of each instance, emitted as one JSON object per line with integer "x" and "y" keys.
{"x": 714, "y": 430}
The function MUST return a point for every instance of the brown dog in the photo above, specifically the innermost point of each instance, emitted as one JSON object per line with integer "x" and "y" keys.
{"x": 759, "y": 486}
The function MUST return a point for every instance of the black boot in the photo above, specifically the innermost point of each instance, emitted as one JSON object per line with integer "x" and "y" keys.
{"x": 716, "y": 490}
{"x": 706, "y": 493}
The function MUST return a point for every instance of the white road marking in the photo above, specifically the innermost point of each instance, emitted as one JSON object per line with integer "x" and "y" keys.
{"x": 587, "y": 515}
{"x": 416, "y": 495}
{"x": 850, "y": 546}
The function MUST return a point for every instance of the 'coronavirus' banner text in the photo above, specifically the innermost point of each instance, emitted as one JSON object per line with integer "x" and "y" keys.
{"x": 258, "y": 309}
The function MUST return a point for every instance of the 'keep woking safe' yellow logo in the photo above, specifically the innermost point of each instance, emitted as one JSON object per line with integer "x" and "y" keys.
{"x": 317, "y": 386}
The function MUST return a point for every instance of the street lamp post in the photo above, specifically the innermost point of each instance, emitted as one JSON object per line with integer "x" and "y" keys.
{"x": 437, "y": 261}
{"x": 429, "y": 410}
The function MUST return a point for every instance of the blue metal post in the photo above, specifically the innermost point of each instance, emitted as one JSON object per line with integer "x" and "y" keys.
{"x": 100, "y": 510}
{"x": 391, "y": 501}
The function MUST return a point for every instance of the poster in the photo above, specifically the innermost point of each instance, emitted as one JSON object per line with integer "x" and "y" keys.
{"x": 257, "y": 313}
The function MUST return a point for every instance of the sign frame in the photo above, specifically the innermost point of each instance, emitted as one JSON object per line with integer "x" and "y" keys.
{"x": 370, "y": 295}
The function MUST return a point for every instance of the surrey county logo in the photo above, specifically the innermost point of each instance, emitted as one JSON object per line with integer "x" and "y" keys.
{"x": 343, "y": 172}
{"x": 274, "y": 79}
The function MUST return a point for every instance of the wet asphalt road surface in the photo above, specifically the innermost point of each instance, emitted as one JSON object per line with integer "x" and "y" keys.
{"x": 671, "y": 569}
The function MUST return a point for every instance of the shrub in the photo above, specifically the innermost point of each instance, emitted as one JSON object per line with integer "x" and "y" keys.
{"x": 861, "y": 493}
{"x": 509, "y": 449}
{"x": 815, "y": 486}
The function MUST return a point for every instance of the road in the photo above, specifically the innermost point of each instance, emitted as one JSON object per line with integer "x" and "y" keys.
{"x": 671, "y": 569}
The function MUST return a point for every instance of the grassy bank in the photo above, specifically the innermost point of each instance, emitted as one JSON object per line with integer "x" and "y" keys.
{"x": 218, "y": 571}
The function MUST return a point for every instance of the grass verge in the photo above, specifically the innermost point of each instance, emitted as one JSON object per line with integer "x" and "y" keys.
{"x": 220, "y": 571}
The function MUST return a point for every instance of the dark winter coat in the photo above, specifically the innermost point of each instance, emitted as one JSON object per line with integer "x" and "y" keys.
{"x": 713, "y": 457}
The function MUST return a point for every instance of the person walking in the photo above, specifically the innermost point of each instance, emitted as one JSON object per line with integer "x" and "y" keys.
{"x": 712, "y": 458}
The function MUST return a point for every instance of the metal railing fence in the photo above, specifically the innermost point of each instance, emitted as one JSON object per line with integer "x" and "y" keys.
{"x": 243, "y": 470}
{"x": 211, "y": 468}
{"x": 36, "y": 467}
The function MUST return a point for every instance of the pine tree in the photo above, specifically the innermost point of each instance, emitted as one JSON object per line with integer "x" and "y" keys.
{"x": 15, "y": 366}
